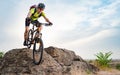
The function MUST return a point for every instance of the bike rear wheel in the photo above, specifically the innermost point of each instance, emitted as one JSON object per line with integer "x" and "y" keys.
{"x": 37, "y": 51}
{"x": 29, "y": 39}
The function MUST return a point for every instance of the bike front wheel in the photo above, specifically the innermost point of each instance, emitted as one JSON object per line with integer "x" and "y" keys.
{"x": 37, "y": 51}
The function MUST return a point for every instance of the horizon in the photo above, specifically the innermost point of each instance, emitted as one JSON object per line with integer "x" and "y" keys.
{"x": 83, "y": 26}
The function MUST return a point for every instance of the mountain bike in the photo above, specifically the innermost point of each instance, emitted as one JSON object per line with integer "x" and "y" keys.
{"x": 35, "y": 38}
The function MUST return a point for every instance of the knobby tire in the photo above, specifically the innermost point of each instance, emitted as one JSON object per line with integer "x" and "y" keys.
{"x": 38, "y": 51}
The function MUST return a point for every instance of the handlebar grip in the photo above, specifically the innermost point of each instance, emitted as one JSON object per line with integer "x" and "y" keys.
{"x": 47, "y": 24}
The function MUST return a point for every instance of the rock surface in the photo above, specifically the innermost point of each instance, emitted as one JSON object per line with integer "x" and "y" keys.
{"x": 56, "y": 61}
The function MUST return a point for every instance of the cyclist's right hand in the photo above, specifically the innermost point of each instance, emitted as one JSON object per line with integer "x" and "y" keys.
{"x": 50, "y": 23}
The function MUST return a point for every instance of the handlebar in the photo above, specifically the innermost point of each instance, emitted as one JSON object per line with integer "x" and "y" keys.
{"x": 45, "y": 24}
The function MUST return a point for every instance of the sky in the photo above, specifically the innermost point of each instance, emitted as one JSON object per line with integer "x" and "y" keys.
{"x": 86, "y": 27}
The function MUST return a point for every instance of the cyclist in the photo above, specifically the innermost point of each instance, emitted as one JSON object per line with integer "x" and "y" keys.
{"x": 35, "y": 12}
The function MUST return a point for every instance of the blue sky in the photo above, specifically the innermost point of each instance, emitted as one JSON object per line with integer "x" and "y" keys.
{"x": 84, "y": 26}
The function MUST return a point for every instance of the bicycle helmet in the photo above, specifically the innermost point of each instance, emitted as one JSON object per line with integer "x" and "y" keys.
{"x": 41, "y": 5}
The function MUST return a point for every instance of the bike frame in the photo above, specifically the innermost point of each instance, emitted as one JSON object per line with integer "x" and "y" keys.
{"x": 35, "y": 36}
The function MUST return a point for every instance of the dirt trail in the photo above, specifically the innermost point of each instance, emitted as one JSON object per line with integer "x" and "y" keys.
{"x": 111, "y": 72}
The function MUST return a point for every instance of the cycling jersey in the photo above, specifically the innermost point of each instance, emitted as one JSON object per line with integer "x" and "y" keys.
{"x": 35, "y": 15}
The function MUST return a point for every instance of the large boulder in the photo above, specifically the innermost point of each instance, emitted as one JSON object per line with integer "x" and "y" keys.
{"x": 56, "y": 61}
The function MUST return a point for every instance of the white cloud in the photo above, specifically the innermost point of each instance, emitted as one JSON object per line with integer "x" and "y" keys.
{"x": 104, "y": 17}
{"x": 87, "y": 40}
{"x": 64, "y": 23}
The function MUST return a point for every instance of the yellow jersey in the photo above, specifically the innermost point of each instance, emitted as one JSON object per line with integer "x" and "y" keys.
{"x": 35, "y": 15}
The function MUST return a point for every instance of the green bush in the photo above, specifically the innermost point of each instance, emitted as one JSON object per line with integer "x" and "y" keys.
{"x": 118, "y": 66}
{"x": 103, "y": 58}
{"x": 1, "y": 54}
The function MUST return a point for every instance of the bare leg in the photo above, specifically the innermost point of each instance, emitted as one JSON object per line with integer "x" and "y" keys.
{"x": 39, "y": 28}
{"x": 26, "y": 33}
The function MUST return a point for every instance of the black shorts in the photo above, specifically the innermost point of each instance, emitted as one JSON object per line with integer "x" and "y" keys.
{"x": 36, "y": 22}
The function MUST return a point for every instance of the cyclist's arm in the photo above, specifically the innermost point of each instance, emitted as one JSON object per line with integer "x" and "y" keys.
{"x": 44, "y": 16}
{"x": 46, "y": 19}
{"x": 30, "y": 13}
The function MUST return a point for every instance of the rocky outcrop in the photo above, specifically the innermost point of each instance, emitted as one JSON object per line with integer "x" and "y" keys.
{"x": 56, "y": 61}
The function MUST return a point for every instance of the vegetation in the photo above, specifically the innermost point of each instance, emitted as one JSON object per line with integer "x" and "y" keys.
{"x": 118, "y": 66}
{"x": 103, "y": 59}
{"x": 1, "y": 54}
{"x": 88, "y": 72}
